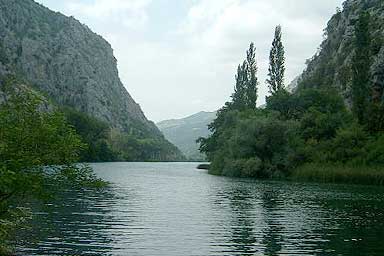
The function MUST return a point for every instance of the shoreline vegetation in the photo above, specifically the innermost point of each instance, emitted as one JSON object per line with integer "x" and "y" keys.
{"x": 341, "y": 174}
{"x": 332, "y": 174}
{"x": 38, "y": 155}
{"x": 313, "y": 133}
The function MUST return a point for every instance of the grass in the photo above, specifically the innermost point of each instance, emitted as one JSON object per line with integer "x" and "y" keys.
{"x": 331, "y": 173}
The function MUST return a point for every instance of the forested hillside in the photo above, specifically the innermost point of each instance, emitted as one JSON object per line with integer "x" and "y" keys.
{"x": 330, "y": 128}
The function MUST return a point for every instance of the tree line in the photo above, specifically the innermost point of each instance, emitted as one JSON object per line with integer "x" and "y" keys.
{"x": 311, "y": 133}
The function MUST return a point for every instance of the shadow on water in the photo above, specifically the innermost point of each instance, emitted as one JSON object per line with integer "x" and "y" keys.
{"x": 268, "y": 218}
{"x": 242, "y": 224}
{"x": 356, "y": 225}
{"x": 272, "y": 233}
{"x": 251, "y": 222}
{"x": 74, "y": 223}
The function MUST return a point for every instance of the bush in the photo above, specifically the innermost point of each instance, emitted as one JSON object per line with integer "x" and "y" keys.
{"x": 348, "y": 144}
{"x": 374, "y": 151}
{"x": 94, "y": 133}
{"x": 31, "y": 140}
{"x": 257, "y": 145}
{"x": 251, "y": 167}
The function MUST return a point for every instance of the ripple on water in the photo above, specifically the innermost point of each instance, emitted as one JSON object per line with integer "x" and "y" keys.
{"x": 173, "y": 209}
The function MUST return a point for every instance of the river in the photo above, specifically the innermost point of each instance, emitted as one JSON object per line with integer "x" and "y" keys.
{"x": 173, "y": 209}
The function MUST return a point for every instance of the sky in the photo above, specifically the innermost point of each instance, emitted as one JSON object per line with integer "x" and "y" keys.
{"x": 179, "y": 57}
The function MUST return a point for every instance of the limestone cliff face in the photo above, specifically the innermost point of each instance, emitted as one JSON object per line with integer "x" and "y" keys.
{"x": 68, "y": 62}
{"x": 331, "y": 66}
{"x": 71, "y": 66}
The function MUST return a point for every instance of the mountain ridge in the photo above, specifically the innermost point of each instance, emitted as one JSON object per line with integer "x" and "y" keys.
{"x": 70, "y": 64}
{"x": 184, "y": 132}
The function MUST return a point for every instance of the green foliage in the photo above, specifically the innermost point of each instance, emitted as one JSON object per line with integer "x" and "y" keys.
{"x": 94, "y": 133}
{"x": 374, "y": 150}
{"x": 105, "y": 144}
{"x": 133, "y": 148}
{"x": 253, "y": 144}
{"x": 14, "y": 219}
{"x": 30, "y": 137}
{"x": 239, "y": 96}
{"x": 293, "y": 106}
{"x": 348, "y": 144}
{"x": 251, "y": 89}
{"x": 245, "y": 95}
{"x": 276, "y": 68}
{"x": 361, "y": 67}
{"x": 375, "y": 118}
{"x": 37, "y": 152}
{"x": 306, "y": 130}
{"x": 340, "y": 173}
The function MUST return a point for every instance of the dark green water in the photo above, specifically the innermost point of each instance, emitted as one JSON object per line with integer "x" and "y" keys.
{"x": 172, "y": 209}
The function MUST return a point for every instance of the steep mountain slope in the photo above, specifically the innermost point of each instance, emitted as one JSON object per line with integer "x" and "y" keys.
{"x": 184, "y": 132}
{"x": 332, "y": 65}
{"x": 71, "y": 65}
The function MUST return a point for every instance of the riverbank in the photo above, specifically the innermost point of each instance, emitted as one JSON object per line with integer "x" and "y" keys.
{"x": 362, "y": 175}
{"x": 330, "y": 173}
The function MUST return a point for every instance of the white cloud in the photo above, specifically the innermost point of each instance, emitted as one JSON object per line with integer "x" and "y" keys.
{"x": 188, "y": 63}
{"x": 221, "y": 31}
{"x": 130, "y": 13}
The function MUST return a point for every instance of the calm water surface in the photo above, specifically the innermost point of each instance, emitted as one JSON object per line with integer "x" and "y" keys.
{"x": 172, "y": 209}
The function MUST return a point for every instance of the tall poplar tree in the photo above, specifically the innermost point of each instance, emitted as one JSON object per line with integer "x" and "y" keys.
{"x": 276, "y": 68}
{"x": 245, "y": 95}
{"x": 252, "y": 81}
{"x": 361, "y": 63}
{"x": 239, "y": 96}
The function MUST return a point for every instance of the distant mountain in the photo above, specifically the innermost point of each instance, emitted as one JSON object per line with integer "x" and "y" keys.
{"x": 74, "y": 67}
{"x": 184, "y": 132}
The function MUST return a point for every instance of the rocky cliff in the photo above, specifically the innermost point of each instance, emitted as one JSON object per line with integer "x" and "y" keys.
{"x": 69, "y": 64}
{"x": 331, "y": 66}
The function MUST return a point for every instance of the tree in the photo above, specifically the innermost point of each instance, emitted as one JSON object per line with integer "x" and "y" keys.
{"x": 239, "y": 96}
{"x": 276, "y": 63}
{"x": 94, "y": 133}
{"x": 252, "y": 81}
{"x": 245, "y": 95}
{"x": 38, "y": 152}
{"x": 361, "y": 63}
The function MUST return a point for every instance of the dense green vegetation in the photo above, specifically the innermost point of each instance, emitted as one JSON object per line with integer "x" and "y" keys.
{"x": 94, "y": 133}
{"x": 38, "y": 152}
{"x": 130, "y": 147}
{"x": 309, "y": 134}
{"x": 105, "y": 144}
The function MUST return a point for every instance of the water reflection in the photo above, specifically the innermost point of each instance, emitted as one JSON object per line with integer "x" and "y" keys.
{"x": 73, "y": 224}
{"x": 357, "y": 223}
{"x": 272, "y": 233}
{"x": 242, "y": 223}
{"x": 251, "y": 220}
{"x": 173, "y": 210}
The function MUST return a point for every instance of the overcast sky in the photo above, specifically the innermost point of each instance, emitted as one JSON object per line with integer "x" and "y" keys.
{"x": 179, "y": 57}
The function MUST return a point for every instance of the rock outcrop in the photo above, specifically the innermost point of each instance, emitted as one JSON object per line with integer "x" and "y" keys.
{"x": 68, "y": 63}
{"x": 331, "y": 66}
